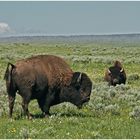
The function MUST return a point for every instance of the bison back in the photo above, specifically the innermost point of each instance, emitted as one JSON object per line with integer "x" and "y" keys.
{"x": 54, "y": 70}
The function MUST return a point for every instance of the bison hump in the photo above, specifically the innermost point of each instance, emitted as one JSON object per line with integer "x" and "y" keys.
{"x": 54, "y": 68}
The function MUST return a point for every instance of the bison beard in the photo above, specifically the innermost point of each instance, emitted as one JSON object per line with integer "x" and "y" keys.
{"x": 48, "y": 79}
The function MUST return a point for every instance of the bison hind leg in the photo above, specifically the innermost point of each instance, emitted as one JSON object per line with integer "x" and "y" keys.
{"x": 25, "y": 104}
{"x": 11, "y": 98}
{"x": 26, "y": 97}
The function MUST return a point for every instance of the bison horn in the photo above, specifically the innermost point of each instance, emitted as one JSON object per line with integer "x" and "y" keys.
{"x": 121, "y": 70}
{"x": 79, "y": 78}
{"x": 109, "y": 71}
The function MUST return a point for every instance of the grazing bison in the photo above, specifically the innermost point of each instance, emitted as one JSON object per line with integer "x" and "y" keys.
{"x": 47, "y": 78}
{"x": 115, "y": 74}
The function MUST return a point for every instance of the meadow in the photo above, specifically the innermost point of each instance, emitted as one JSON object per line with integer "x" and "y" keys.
{"x": 112, "y": 112}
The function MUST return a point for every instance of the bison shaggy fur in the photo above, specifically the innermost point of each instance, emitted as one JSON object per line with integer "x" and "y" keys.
{"x": 49, "y": 80}
{"x": 115, "y": 74}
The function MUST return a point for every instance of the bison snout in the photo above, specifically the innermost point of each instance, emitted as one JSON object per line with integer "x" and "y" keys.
{"x": 115, "y": 81}
{"x": 79, "y": 106}
{"x": 86, "y": 99}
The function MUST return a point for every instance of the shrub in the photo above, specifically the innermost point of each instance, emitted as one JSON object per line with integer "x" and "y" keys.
{"x": 135, "y": 113}
{"x": 133, "y": 77}
{"x": 114, "y": 109}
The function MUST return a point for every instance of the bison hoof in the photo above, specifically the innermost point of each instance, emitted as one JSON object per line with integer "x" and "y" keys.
{"x": 47, "y": 115}
{"x": 30, "y": 116}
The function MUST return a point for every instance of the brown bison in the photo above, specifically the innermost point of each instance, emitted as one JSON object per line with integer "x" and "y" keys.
{"x": 47, "y": 78}
{"x": 115, "y": 74}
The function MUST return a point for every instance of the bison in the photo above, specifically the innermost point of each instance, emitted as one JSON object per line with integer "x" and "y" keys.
{"x": 49, "y": 80}
{"x": 115, "y": 74}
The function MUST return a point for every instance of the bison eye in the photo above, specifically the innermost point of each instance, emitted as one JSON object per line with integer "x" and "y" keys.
{"x": 77, "y": 86}
{"x": 110, "y": 74}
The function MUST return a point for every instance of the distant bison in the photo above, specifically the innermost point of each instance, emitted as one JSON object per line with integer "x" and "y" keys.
{"x": 47, "y": 78}
{"x": 115, "y": 74}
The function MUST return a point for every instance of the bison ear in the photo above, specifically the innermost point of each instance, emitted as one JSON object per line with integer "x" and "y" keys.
{"x": 76, "y": 79}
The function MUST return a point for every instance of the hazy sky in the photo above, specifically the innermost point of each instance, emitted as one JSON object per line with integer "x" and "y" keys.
{"x": 68, "y": 18}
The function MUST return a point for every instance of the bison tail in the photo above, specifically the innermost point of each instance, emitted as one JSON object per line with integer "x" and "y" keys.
{"x": 8, "y": 72}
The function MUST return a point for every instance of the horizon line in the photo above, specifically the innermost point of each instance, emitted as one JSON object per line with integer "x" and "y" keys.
{"x": 67, "y": 35}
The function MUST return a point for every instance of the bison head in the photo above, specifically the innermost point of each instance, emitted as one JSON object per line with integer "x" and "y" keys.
{"x": 78, "y": 92}
{"x": 116, "y": 75}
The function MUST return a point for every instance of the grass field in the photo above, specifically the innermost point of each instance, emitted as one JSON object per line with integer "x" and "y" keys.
{"x": 112, "y": 112}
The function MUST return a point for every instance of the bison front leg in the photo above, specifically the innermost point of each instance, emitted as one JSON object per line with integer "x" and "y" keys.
{"x": 44, "y": 106}
{"x": 41, "y": 103}
{"x": 48, "y": 102}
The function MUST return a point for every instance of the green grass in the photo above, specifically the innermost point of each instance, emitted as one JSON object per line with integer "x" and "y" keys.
{"x": 74, "y": 126}
{"x": 112, "y": 112}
